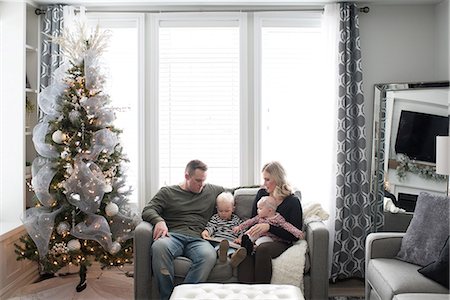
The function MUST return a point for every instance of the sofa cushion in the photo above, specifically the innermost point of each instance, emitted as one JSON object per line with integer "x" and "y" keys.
{"x": 243, "y": 201}
{"x": 389, "y": 277}
{"x": 428, "y": 230}
{"x": 438, "y": 270}
{"x": 421, "y": 296}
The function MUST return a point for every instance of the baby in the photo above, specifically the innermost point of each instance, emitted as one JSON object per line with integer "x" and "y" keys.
{"x": 220, "y": 229}
{"x": 266, "y": 214}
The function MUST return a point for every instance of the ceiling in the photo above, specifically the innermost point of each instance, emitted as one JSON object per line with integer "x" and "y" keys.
{"x": 134, "y": 3}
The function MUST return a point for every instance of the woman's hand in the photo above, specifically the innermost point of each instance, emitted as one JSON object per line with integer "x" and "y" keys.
{"x": 258, "y": 229}
{"x": 236, "y": 229}
{"x": 205, "y": 234}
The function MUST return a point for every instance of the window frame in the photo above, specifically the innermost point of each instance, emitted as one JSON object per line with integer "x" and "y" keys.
{"x": 274, "y": 19}
{"x": 250, "y": 84}
{"x": 139, "y": 19}
{"x": 152, "y": 82}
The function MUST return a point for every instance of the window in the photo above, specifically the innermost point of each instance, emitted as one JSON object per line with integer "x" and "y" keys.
{"x": 207, "y": 103}
{"x": 121, "y": 61}
{"x": 199, "y": 98}
{"x": 297, "y": 111}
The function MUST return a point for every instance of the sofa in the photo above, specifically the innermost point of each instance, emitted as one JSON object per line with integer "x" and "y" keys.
{"x": 390, "y": 278}
{"x": 411, "y": 264}
{"x": 315, "y": 273}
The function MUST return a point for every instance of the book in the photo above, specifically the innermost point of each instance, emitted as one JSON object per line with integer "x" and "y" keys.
{"x": 218, "y": 240}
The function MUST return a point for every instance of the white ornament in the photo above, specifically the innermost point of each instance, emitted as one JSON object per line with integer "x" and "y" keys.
{"x": 58, "y": 137}
{"x": 63, "y": 228}
{"x": 74, "y": 117}
{"x": 74, "y": 245}
{"x": 122, "y": 190}
{"x": 111, "y": 209}
{"x": 115, "y": 247}
{"x": 59, "y": 248}
{"x": 107, "y": 188}
{"x": 64, "y": 154}
{"x": 69, "y": 169}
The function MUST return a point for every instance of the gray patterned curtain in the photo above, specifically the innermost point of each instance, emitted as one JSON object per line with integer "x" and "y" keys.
{"x": 52, "y": 24}
{"x": 353, "y": 203}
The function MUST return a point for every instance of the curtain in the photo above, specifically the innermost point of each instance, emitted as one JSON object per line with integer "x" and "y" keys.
{"x": 52, "y": 24}
{"x": 353, "y": 203}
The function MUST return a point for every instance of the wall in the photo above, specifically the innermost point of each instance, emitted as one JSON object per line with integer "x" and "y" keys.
{"x": 13, "y": 274}
{"x": 402, "y": 43}
{"x": 397, "y": 44}
{"x": 12, "y": 115}
{"x": 442, "y": 66}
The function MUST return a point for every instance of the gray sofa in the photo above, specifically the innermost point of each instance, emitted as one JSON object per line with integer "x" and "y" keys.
{"x": 316, "y": 271}
{"x": 398, "y": 222}
{"x": 389, "y": 278}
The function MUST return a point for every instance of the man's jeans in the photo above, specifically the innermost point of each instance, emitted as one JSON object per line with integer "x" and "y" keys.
{"x": 166, "y": 249}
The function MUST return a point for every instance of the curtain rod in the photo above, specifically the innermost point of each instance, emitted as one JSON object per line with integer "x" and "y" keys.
{"x": 364, "y": 9}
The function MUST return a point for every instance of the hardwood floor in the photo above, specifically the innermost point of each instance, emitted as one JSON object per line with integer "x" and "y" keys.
{"x": 114, "y": 284}
{"x": 349, "y": 287}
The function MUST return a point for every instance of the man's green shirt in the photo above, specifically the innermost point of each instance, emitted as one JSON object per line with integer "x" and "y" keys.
{"x": 183, "y": 211}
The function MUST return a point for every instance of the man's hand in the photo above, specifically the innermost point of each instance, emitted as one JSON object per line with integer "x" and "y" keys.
{"x": 160, "y": 230}
{"x": 205, "y": 234}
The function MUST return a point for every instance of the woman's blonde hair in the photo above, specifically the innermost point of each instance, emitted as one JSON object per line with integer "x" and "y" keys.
{"x": 283, "y": 189}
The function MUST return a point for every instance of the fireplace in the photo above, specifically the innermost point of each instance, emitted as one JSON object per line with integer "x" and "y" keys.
{"x": 407, "y": 201}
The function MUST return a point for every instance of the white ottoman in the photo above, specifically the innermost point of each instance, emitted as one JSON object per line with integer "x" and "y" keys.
{"x": 236, "y": 291}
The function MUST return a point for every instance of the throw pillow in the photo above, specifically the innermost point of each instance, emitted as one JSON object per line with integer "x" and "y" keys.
{"x": 428, "y": 230}
{"x": 438, "y": 270}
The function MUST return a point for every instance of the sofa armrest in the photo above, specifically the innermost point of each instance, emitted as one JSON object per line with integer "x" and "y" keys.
{"x": 317, "y": 238}
{"x": 383, "y": 244}
{"x": 142, "y": 260}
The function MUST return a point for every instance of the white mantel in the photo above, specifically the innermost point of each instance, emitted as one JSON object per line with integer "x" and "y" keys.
{"x": 414, "y": 184}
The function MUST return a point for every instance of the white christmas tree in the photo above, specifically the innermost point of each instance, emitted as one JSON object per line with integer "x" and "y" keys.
{"x": 82, "y": 208}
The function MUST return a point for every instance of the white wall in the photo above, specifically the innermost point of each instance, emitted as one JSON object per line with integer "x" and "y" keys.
{"x": 12, "y": 114}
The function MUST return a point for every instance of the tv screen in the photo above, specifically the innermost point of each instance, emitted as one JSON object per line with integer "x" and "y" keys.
{"x": 416, "y": 136}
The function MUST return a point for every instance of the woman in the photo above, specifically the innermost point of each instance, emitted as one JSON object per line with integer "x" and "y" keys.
{"x": 257, "y": 268}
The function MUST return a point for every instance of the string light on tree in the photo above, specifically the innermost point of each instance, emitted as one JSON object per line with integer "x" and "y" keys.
{"x": 78, "y": 170}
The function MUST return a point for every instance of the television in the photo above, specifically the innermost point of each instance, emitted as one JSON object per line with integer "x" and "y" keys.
{"x": 416, "y": 135}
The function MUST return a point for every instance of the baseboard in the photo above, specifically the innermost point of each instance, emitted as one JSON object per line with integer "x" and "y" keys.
{"x": 14, "y": 274}
{"x": 27, "y": 276}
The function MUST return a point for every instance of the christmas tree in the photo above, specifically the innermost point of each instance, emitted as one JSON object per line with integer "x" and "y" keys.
{"x": 81, "y": 209}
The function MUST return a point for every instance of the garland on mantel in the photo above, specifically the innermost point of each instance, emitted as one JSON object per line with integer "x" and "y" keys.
{"x": 427, "y": 172}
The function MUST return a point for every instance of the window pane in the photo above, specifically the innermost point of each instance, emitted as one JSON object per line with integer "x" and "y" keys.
{"x": 199, "y": 102}
{"x": 297, "y": 115}
{"x": 121, "y": 61}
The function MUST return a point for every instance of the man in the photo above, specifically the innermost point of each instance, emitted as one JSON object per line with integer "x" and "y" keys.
{"x": 179, "y": 213}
